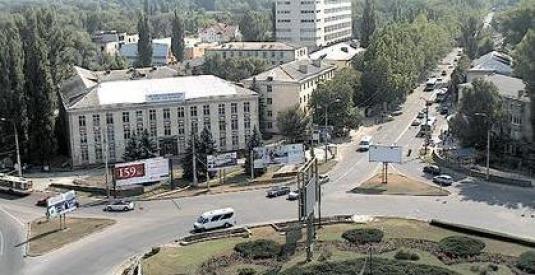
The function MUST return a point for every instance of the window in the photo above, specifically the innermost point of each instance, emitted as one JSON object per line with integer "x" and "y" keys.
{"x": 96, "y": 121}
{"x": 81, "y": 121}
{"x": 247, "y": 122}
{"x": 153, "y": 130}
{"x": 246, "y": 107}
{"x": 181, "y": 130}
{"x": 98, "y": 153}
{"x": 206, "y": 110}
{"x": 166, "y": 114}
{"x": 152, "y": 115}
{"x": 83, "y": 137}
{"x": 221, "y": 109}
{"x": 126, "y": 117}
{"x": 126, "y": 132}
{"x": 269, "y": 101}
{"x": 215, "y": 218}
{"x": 167, "y": 129}
{"x": 194, "y": 127}
{"x": 233, "y": 108}
{"x": 269, "y": 125}
{"x": 109, "y": 118}
{"x": 269, "y": 88}
{"x": 207, "y": 124}
{"x": 222, "y": 142}
{"x": 85, "y": 153}
{"x": 193, "y": 110}
{"x": 269, "y": 113}
{"x": 234, "y": 124}
{"x": 180, "y": 112}
{"x": 139, "y": 116}
{"x": 222, "y": 126}
{"x": 235, "y": 142}
{"x": 227, "y": 216}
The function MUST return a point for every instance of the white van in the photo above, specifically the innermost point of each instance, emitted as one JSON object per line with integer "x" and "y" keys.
{"x": 215, "y": 219}
{"x": 365, "y": 143}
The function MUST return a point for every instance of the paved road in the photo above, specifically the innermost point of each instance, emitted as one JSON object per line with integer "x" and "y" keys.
{"x": 11, "y": 247}
{"x": 486, "y": 205}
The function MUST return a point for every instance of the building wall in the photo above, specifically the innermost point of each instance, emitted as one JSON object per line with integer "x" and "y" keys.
{"x": 274, "y": 57}
{"x": 107, "y": 125}
{"x": 313, "y": 23}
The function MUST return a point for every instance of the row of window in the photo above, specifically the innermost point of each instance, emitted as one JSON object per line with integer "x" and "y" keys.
{"x": 265, "y": 54}
{"x": 337, "y": 17}
{"x": 338, "y": 35}
{"x": 339, "y": 9}
{"x": 338, "y": 26}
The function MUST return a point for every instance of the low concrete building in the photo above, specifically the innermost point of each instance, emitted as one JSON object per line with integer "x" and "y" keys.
{"x": 339, "y": 54}
{"x": 161, "y": 52}
{"x": 287, "y": 85}
{"x": 220, "y": 33}
{"x": 491, "y": 63}
{"x": 275, "y": 53}
{"x": 104, "y": 113}
{"x": 110, "y": 42}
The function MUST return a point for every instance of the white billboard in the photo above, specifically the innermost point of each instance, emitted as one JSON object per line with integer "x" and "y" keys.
{"x": 385, "y": 153}
{"x": 141, "y": 171}
{"x": 61, "y": 204}
{"x": 216, "y": 162}
{"x": 279, "y": 154}
{"x": 310, "y": 197}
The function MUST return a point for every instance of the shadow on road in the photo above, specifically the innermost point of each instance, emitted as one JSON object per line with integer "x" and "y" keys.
{"x": 38, "y": 237}
{"x": 494, "y": 194}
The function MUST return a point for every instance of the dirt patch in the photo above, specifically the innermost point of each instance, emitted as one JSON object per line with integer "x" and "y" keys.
{"x": 46, "y": 235}
{"x": 398, "y": 185}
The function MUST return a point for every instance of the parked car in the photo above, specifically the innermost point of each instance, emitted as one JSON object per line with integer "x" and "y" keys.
{"x": 388, "y": 118}
{"x": 415, "y": 122}
{"x": 294, "y": 195}
{"x": 278, "y": 191}
{"x": 215, "y": 219}
{"x": 444, "y": 110}
{"x": 324, "y": 179}
{"x": 42, "y": 202}
{"x": 443, "y": 180}
{"x": 397, "y": 113}
{"x": 365, "y": 142}
{"x": 432, "y": 169}
{"x": 444, "y": 73}
{"x": 120, "y": 205}
{"x": 421, "y": 114}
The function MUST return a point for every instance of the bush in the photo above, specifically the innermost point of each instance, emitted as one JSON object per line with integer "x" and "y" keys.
{"x": 325, "y": 255}
{"x": 459, "y": 246}
{"x": 246, "y": 271}
{"x": 526, "y": 262}
{"x": 406, "y": 255}
{"x": 259, "y": 249}
{"x": 363, "y": 235}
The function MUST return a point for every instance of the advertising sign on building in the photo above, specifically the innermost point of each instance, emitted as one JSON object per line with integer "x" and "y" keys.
{"x": 141, "y": 171}
{"x": 385, "y": 153}
{"x": 279, "y": 154}
{"x": 216, "y": 162}
{"x": 61, "y": 204}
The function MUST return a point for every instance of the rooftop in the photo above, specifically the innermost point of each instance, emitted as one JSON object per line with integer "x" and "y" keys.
{"x": 295, "y": 71}
{"x": 164, "y": 90}
{"x": 343, "y": 51}
{"x": 160, "y": 48}
{"x": 509, "y": 87}
{"x": 495, "y": 62}
{"x": 273, "y": 46}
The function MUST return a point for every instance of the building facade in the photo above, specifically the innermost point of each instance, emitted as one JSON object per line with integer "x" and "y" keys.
{"x": 219, "y": 33}
{"x": 288, "y": 85}
{"x": 275, "y": 53}
{"x": 110, "y": 42}
{"x": 104, "y": 116}
{"x": 313, "y": 23}
{"x": 161, "y": 52}
{"x": 340, "y": 54}
{"x": 488, "y": 64}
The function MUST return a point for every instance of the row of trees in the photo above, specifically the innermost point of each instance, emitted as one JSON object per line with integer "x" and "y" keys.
{"x": 234, "y": 69}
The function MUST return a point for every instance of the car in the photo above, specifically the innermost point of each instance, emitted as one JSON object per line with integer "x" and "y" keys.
{"x": 416, "y": 122}
{"x": 42, "y": 202}
{"x": 220, "y": 218}
{"x": 278, "y": 191}
{"x": 421, "y": 114}
{"x": 444, "y": 110}
{"x": 388, "y": 118}
{"x": 324, "y": 179}
{"x": 444, "y": 73}
{"x": 443, "y": 180}
{"x": 432, "y": 169}
{"x": 365, "y": 142}
{"x": 397, "y": 113}
{"x": 293, "y": 195}
{"x": 120, "y": 205}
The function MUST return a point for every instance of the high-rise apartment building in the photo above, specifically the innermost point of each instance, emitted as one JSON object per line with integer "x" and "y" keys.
{"x": 313, "y": 23}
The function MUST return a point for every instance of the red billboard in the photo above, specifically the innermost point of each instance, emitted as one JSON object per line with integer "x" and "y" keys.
{"x": 130, "y": 171}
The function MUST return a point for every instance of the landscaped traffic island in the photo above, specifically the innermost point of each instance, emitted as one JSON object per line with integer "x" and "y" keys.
{"x": 382, "y": 246}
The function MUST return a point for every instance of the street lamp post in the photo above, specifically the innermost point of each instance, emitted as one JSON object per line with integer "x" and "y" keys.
{"x": 19, "y": 164}
{"x": 489, "y": 128}
{"x": 326, "y": 113}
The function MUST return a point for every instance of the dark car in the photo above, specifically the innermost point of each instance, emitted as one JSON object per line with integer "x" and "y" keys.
{"x": 444, "y": 73}
{"x": 432, "y": 169}
{"x": 42, "y": 202}
{"x": 278, "y": 191}
{"x": 444, "y": 110}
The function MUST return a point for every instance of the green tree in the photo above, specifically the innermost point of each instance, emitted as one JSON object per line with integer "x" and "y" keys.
{"x": 255, "y": 26}
{"x": 524, "y": 56}
{"x": 261, "y": 107}
{"x": 144, "y": 45}
{"x": 368, "y": 23}
{"x": 469, "y": 125}
{"x": 204, "y": 146}
{"x": 254, "y": 141}
{"x": 469, "y": 30}
{"x": 515, "y": 23}
{"x": 293, "y": 123}
{"x": 234, "y": 69}
{"x": 458, "y": 76}
{"x": 177, "y": 38}
{"x": 485, "y": 45}
{"x": 140, "y": 146}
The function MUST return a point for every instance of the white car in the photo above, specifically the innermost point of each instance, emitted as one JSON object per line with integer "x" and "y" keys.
{"x": 220, "y": 218}
{"x": 444, "y": 180}
{"x": 120, "y": 205}
{"x": 294, "y": 195}
{"x": 323, "y": 179}
{"x": 416, "y": 122}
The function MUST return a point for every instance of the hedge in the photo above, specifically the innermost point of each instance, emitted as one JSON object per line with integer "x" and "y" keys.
{"x": 460, "y": 246}
{"x": 259, "y": 249}
{"x": 526, "y": 262}
{"x": 246, "y": 271}
{"x": 406, "y": 255}
{"x": 363, "y": 235}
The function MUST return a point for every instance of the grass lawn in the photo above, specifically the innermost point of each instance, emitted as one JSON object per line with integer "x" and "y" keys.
{"x": 398, "y": 185}
{"x": 187, "y": 260}
{"x": 46, "y": 236}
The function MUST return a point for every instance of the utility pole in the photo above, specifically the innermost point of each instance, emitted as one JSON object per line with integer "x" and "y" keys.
{"x": 251, "y": 163}
{"x": 19, "y": 164}
{"x": 324, "y": 131}
{"x": 488, "y": 153}
{"x": 105, "y": 139}
{"x": 194, "y": 162}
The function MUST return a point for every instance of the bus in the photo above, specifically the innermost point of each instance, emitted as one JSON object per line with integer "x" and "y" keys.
{"x": 15, "y": 185}
{"x": 431, "y": 84}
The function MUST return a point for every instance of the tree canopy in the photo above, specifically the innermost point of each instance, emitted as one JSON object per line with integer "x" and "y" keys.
{"x": 140, "y": 146}
{"x": 234, "y": 69}
{"x": 293, "y": 124}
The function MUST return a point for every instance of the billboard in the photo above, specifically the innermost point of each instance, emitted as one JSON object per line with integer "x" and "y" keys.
{"x": 216, "y": 162}
{"x": 278, "y": 154}
{"x": 322, "y": 133}
{"x": 385, "y": 153}
{"x": 61, "y": 204}
{"x": 141, "y": 171}
{"x": 310, "y": 197}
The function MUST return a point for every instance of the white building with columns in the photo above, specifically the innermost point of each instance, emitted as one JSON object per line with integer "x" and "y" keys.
{"x": 313, "y": 23}
{"x": 107, "y": 114}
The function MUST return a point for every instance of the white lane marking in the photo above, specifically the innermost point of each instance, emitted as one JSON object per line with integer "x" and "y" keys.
{"x": 1, "y": 244}
{"x": 13, "y": 217}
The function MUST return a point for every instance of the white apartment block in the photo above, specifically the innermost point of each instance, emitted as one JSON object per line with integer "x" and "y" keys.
{"x": 275, "y": 53}
{"x": 288, "y": 85}
{"x": 107, "y": 114}
{"x": 313, "y": 23}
